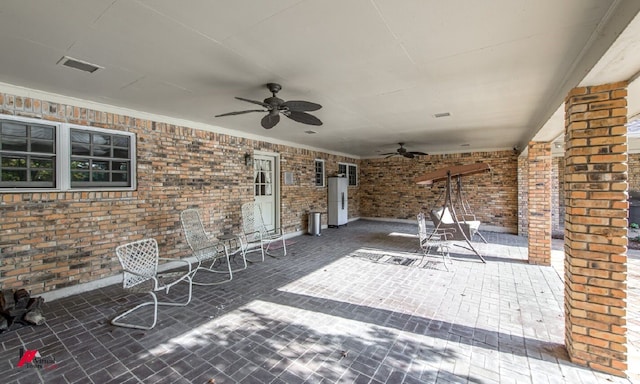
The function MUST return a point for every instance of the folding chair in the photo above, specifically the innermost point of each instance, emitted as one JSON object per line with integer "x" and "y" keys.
{"x": 139, "y": 261}
{"x": 207, "y": 250}
{"x": 436, "y": 240}
{"x": 256, "y": 235}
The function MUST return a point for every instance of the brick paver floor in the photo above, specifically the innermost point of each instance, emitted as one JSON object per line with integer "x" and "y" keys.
{"x": 355, "y": 305}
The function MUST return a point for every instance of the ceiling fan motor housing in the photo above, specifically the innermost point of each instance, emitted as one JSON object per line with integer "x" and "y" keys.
{"x": 274, "y": 88}
{"x": 273, "y": 101}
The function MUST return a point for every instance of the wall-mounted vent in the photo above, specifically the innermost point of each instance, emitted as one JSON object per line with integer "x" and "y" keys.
{"x": 78, "y": 64}
{"x": 288, "y": 178}
{"x": 443, "y": 114}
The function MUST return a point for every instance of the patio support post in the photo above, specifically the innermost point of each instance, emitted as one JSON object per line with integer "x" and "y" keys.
{"x": 539, "y": 202}
{"x": 596, "y": 227}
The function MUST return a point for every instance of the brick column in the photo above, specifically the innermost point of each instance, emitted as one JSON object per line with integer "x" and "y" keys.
{"x": 596, "y": 227}
{"x": 523, "y": 196}
{"x": 539, "y": 210}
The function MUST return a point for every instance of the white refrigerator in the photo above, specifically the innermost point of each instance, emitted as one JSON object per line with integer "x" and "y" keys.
{"x": 338, "y": 204}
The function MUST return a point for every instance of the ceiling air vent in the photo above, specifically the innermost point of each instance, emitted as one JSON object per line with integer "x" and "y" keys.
{"x": 443, "y": 114}
{"x": 78, "y": 64}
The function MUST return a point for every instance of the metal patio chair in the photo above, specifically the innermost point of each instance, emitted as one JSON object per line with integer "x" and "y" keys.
{"x": 210, "y": 252}
{"x": 257, "y": 237}
{"x": 436, "y": 240}
{"x": 139, "y": 261}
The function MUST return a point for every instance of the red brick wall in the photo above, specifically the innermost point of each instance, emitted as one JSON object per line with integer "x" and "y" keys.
{"x": 557, "y": 194}
{"x": 596, "y": 227}
{"x": 66, "y": 238}
{"x": 523, "y": 196}
{"x": 539, "y": 203}
{"x": 634, "y": 172}
{"x": 388, "y": 189}
{"x": 303, "y": 196}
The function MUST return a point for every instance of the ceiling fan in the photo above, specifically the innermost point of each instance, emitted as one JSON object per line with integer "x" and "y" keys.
{"x": 402, "y": 151}
{"x": 294, "y": 109}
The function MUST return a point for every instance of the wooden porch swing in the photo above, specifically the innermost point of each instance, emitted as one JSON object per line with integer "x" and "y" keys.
{"x": 463, "y": 223}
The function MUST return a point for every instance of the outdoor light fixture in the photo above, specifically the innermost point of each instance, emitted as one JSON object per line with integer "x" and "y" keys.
{"x": 247, "y": 159}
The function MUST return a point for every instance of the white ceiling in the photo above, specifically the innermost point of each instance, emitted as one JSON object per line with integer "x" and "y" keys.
{"x": 380, "y": 68}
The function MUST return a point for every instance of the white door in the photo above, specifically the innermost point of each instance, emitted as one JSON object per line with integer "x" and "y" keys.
{"x": 266, "y": 187}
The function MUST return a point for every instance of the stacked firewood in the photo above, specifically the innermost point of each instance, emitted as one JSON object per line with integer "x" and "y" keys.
{"x": 18, "y": 307}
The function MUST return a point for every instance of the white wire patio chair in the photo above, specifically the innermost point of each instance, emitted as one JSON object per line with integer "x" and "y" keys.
{"x": 257, "y": 237}
{"x": 139, "y": 260}
{"x": 436, "y": 240}
{"x": 210, "y": 253}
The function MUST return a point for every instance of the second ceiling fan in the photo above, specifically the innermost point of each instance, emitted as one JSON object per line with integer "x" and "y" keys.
{"x": 294, "y": 109}
{"x": 402, "y": 151}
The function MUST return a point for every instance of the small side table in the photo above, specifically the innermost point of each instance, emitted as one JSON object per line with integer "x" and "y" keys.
{"x": 232, "y": 246}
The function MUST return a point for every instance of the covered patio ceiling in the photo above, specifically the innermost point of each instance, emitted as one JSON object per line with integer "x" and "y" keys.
{"x": 382, "y": 69}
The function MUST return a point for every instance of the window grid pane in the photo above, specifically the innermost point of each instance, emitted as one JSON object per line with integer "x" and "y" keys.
{"x": 27, "y": 155}
{"x": 353, "y": 175}
{"x": 319, "y": 173}
{"x": 29, "y": 151}
{"x": 100, "y": 159}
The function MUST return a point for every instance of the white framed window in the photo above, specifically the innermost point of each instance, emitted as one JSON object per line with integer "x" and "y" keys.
{"x": 319, "y": 173}
{"x": 350, "y": 171}
{"x": 28, "y": 154}
{"x": 39, "y": 155}
{"x": 100, "y": 158}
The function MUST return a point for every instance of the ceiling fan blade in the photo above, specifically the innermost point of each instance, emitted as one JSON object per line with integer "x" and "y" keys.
{"x": 255, "y": 102}
{"x": 270, "y": 121}
{"x": 241, "y": 112}
{"x": 389, "y": 155}
{"x": 408, "y": 155}
{"x": 303, "y": 117}
{"x": 418, "y": 153}
{"x": 301, "y": 106}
